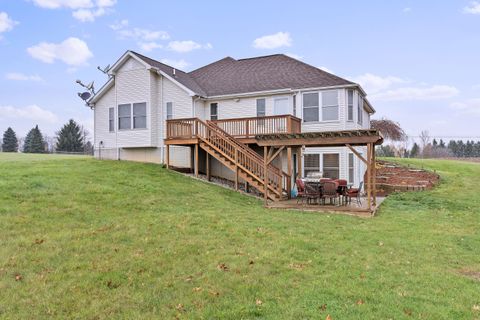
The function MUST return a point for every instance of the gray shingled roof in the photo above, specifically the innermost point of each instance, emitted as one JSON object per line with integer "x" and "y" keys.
{"x": 230, "y": 76}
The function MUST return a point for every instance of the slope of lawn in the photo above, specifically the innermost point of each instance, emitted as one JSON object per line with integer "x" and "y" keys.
{"x": 88, "y": 239}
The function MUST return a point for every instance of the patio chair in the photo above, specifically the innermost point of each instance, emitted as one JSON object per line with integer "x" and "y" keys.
{"x": 355, "y": 193}
{"x": 300, "y": 190}
{"x": 312, "y": 192}
{"x": 342, "y": 189}
{"x": 329, "y": 191}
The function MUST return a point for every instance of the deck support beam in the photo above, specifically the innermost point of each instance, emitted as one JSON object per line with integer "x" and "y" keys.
{"x": 208, "y": 166}
{"x": 299, "y": 162}
{"x": 374, "y": 177}
{"x": 196, "y": 160}
{"x": 265, "y": 175}
{"x": 167, "y": 156}
{"x": 271, "y": 158}
{"x": 289, "y": 171}
{"x": 369, "y": 176}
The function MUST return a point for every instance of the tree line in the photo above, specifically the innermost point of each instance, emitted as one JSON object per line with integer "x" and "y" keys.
{"x": 70, "y": 138}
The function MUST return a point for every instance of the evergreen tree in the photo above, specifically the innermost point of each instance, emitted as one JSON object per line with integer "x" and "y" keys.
{"x": 415, "y": 150}
{"x": 34, "y": 142}
{"x": 70, "y": 138}
{"x": 441, "y": 144}
{"x": 435, "y": 143}
{"x": 10, "y": 142}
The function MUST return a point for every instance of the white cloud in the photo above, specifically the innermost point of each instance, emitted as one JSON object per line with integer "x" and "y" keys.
{"x": 140, "y": 34}
{"x": 277, "y": 40}
{"x": 294, "y": 56}
{"x": 84, "y": 10}
{"x": 149, "y": 46}
{"x": 32, "y": 112}
{"x": 186, "y": 46}
{"x": 17, "y": 76}
{"x": 473, "y": 8}
{"x": 119, "y": 25}
{"x": 71, "y": 51}
{"x": 6, "y": 23}
{"x": 407, "y": 10}
{"x": 179, "y": 64}
{"x": 435, "y": 92}
{"x": 373, "y": 83}
{"x": 470, "y": 107}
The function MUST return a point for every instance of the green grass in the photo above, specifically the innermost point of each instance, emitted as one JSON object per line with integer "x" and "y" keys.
{"x": 103, "y": 239}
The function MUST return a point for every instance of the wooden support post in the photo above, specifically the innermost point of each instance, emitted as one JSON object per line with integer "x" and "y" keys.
{"x": 299, "y": 162}
{"x": 369, "y": 176}
{"x": 290, "y": 172}
{"x": 208, "y": 166}
{"x": 236, "y": 169}
{"x": 374, "y": 177}
{"x": 196, "y": 160}
{"x": 168, "y": 156}
{"x": 265, "y": 176}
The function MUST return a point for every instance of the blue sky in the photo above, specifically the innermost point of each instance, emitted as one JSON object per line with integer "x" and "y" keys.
{"x": 417, "y": 60}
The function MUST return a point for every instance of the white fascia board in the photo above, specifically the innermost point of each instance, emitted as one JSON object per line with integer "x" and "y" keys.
{"x": 249, "y": 94}
{"x": 124, "y": 58}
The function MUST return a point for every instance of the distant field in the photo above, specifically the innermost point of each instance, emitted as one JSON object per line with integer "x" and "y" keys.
{"x": 88, "y": 239}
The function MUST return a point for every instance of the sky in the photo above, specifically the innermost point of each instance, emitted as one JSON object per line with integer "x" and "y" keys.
{"x": 418, "y": 61}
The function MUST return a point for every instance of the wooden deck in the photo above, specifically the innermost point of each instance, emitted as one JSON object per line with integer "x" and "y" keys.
{"x": 353, "y": 208}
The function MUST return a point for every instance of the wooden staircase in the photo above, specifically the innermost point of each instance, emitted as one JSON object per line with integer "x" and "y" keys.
{"x": 240, "y": 158}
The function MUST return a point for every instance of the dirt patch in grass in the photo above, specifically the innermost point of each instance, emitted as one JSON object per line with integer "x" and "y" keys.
{"x": 475, "y": 275}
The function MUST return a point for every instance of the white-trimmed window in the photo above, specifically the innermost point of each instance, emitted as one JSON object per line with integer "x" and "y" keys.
{"x": 140, "y": 115}
{"x": 310, "y": 107}
{"x": 329, "y": 105}
{"x": 261, "y": 110}
{"x": 111, "y": 119}
{"x": 213, "y": 111}
{"x": 311, "y": 163}
{"x": 349, "y": 105}
{"x": 351, "y": 168}
{"x": 360, "y": 109}
{"x": 124, "y": 116}
{"x": 169, "y": 110}
{"x": 331, "y": 165}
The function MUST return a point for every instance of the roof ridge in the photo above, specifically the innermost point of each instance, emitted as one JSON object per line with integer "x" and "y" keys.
{"x": 265, "y": 56}
{"x": 211, "y": 63}
{"x": 144, "y": 56}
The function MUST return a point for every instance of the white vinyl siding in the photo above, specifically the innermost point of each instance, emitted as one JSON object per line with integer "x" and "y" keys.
{"x": 140, "y": 115}
{"x": 349, "y": 105}
{"x": 261, "y": 107}
{"x": 111, "y": 119}
{"x": 169, "y": 110}
{"x": 310, "y": 107}
{"x": 331, "y": 165}
{"x": 124, "y": 117}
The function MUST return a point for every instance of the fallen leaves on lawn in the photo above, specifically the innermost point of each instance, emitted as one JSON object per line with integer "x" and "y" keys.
{"x": 39, "y": 241}
{"x": 258, "y": 302}
{"x": 251, "y": 262}
{"x": 18, "y": 277}
{"x": 180, "y": 307}
{"x": 328, "y": 317}
{"x": 323, "y": 307}
{"x": 408, "y": 312}
{"x": 112, "y": 285}
{"x": 360, "y": 301}
{"x": 188, "y": 279}
{"x": 476, "y": 307}
{"x": 214, "y": 293}
{"x": 380, "y": 244}
{"x": 222, "y": 267}
{"x": 197, "y": 289}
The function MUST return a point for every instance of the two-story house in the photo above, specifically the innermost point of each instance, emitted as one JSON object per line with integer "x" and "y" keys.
{"x": 151, "y": 112}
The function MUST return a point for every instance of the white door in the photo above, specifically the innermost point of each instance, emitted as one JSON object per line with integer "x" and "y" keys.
{"x": 280, "y": 106}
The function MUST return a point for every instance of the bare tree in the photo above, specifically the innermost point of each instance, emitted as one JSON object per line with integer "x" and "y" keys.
{"x": 389, "y": 129}
{"x": 426, "y": 146}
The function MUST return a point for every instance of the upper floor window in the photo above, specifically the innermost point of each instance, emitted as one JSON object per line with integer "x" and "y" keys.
{"x": 169, "y": 110}
{"x": 111, "y": 119}
{"x": 124, "y": 116}
{"x": 349, "y": 105}
{"x": 140, "y": 115}
{"x": 360, "y": 109}
{"x": 329, "y": 105}
{"x": 261, "y": 112}
{"x": 213, "y": 111}
{"x": 310, "y": 107}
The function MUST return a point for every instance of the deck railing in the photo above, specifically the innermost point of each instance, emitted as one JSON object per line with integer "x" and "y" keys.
{"x": 250, "y": 127}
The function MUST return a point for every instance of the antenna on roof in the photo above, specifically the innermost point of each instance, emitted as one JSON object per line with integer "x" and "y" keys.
{"x": 105, "y": 70}
{"x": 87, "y": 94}
{"x": 174, "y": 71}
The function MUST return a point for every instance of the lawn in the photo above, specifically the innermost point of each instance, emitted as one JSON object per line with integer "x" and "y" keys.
{"x": 88, "y": 239}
